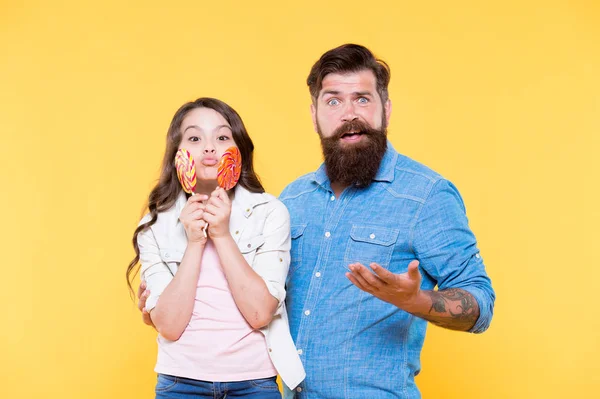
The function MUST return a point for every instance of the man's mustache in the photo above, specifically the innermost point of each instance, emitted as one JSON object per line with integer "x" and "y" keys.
{"x": 352, "y": 126}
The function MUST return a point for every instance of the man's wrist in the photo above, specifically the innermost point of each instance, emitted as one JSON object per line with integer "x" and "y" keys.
{"x": 419, "y": 303}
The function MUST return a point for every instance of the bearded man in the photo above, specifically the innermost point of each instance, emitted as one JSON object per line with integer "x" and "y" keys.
{"x": 373, "y": 232}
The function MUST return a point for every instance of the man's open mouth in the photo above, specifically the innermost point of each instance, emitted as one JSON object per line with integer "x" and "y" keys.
{"x": 352, "y": 136}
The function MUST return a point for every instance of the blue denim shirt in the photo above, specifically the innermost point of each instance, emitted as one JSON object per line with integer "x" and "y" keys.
{"x": 352, "y": 344}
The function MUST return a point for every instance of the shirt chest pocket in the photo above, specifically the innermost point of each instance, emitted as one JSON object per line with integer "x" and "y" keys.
{"x": 368, "y": 244}
{"x": 249, "y": 247}
{"x": 297, "y": 233}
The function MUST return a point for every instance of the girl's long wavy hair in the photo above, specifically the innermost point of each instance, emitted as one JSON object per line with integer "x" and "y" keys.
{"x": 165, "y": 193}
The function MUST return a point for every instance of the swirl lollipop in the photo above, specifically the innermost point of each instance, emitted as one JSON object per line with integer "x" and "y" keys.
{"x": 230, "y": 167}
{"x": 186, "y": 170}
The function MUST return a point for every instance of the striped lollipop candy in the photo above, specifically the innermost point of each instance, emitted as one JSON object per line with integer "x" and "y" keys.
{"x": 230, "y": 168}
{"x": 186, "y": 170}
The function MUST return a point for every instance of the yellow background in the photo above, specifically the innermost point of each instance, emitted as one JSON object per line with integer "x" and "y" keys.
{"x": 501, "y": 97}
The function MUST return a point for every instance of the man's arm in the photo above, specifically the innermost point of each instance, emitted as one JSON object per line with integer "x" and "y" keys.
{"x": 447, "y": 250}
{"x": 452, "y": 308}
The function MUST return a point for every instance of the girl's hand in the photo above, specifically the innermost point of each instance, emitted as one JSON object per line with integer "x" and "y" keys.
{"x": 192, "y": 218}
{"x": 217, "y": 212}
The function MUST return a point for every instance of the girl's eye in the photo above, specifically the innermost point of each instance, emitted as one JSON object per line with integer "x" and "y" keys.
{"x": 194, "y": 138}
{"x": 223, "y": 138}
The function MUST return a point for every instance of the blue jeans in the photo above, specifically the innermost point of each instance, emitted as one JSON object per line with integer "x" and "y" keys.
{"x": 170, "y": 387}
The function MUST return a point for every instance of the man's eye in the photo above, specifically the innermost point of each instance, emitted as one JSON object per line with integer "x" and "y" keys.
{"x": 333, "y": 101}
{"x": 363, "y": 100}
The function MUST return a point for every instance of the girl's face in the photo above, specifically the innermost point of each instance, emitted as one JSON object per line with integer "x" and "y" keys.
{"x": 206, "y": 135}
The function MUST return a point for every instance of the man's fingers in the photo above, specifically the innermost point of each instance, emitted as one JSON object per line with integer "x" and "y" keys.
{"x": 383, "y": 273}
{"x": 141, "y": 289}
{"x": 365, "y": 276}
{"x": 354, "y": 281}
{"x": 142, "y": 300}
{"x": 413, "y": 270}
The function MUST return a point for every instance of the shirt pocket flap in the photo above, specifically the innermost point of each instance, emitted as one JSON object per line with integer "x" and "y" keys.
{"x": 171, "y": 255}
{"x": 374, "y": 235}
{"x": 252, "y": 244}
{"x": 297, "y": 230}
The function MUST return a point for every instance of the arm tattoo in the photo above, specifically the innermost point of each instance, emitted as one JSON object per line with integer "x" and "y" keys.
{"x": 452, "y": 308}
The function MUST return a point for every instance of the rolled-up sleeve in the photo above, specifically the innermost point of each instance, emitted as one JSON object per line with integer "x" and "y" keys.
{"x": 154, "y": 271}
{"x": 447, "y": 249}
{"x": 272, "y": 259}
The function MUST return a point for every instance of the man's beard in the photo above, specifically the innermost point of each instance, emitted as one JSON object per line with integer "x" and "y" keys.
{"x": 354, "y": 164}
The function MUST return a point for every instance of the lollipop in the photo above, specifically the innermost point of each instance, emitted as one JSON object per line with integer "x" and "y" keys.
{"x": 230, "y": 168}
{"x": 186, "y": 170}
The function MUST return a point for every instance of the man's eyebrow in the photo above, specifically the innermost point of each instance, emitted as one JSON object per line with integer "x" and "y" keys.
{"x": 356, "y": 93}
{"x": 332, "y": 92}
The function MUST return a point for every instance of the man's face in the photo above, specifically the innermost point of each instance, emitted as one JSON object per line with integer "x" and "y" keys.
{"x": 346, "y": 98}
{"x": 352, "y": 122}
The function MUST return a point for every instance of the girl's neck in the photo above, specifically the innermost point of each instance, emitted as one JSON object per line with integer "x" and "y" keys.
{"x": 206, "y": 187}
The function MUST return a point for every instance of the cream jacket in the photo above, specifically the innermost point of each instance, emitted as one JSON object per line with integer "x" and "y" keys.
{"x": 260, "y": 225}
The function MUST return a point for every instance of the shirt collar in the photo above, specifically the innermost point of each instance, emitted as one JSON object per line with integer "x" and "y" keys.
{"x": 384, "y": 173}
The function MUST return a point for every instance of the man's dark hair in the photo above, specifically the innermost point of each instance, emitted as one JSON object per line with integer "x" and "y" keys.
{"x": 349, "y": 58}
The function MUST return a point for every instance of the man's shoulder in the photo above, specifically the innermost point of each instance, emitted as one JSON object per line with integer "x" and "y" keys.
{"x": 302, "y": 185}
{"x": 413, "y": 179}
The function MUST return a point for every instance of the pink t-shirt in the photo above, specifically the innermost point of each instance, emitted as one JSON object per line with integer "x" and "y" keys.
{"x": 218, "y": 344}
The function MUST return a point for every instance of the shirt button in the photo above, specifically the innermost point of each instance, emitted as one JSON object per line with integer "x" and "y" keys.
{"x": 281, "y": 260}
{"x": 372, "y": 236}
{"x": 318, "y": 274}
{"x": 327, "y": 234}
{"x": 307, "y": 312}
{"x": 478, "y": 256}
{"x": 248, "y": 210}
{"x": 167, "y": 255}
{"x": 332, "y": 198}
{"x": 298, "y": 389}
{"x": 237, "y": 232}
{"x": 270, "y": 350}
{"x": 299, "y": 351}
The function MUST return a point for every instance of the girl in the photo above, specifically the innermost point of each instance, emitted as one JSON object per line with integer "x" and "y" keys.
{"x": 217, "y": 302}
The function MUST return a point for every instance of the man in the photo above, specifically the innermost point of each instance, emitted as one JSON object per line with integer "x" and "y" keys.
{"x": 373, "y": 232}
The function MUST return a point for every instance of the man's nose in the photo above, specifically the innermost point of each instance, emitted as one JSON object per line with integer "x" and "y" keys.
{"x": 349, "y": 113}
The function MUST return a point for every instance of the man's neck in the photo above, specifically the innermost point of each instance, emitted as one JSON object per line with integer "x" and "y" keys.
{"x": 337, "y": 188}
